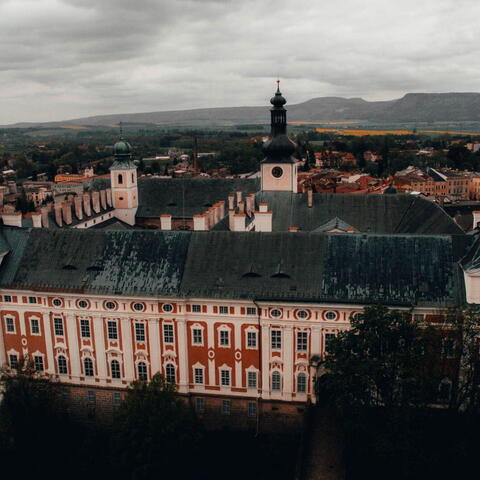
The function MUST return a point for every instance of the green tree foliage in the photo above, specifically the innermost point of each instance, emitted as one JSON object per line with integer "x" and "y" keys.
{"x": 381, "y": 361}
{"x": 152, "y": 431}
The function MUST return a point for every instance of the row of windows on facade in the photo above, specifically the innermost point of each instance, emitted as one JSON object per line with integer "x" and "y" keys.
{"x": 168, "y": 333}
{"x": 142, "y": 373}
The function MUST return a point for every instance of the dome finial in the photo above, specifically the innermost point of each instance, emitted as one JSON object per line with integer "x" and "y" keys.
{"x": 278, "y": 85}
{"x": 120, "y": 125}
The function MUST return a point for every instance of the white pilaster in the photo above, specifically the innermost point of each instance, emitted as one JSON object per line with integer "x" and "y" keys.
{"x": 48, "y": 343}
{"x": 100, "y": 354}
{"x": 3, "y": 353}
{"x": 73, "y": 348}
{"x": 127, "y": 349}
{"x": 154, "y": 339}
{"x": 265, "y": 361}
{"x": 288, "y": 363}
{"x": 315, "y": 340}
{"x": 182, "y": 355}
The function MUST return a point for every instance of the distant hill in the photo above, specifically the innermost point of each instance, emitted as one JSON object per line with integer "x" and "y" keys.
{"x": 413, "y": 107}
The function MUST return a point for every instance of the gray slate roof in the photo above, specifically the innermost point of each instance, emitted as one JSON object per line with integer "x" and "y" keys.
{"x": 367, "y": 213}
{"x": 312, "y": 267}
{"x": 185, "y": 197}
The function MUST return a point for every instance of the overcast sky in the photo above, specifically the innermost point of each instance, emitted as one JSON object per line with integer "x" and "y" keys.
{"x": 62, "y": 59}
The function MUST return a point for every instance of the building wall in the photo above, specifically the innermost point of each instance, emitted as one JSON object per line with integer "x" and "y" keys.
{"x": 163, "y": 334}
{"x": 287, "y": 182}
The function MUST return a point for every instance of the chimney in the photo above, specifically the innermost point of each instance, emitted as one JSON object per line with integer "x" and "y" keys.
{"x": 58, "y": 213}
{"x": 241, "y": 207}
{"x": 103, "y": 199}
{"x": 293, "y": 229}
{"x": 37, "y": 220}
{"x": 221, "y": 209}
{"x": 86, "y": 204}
{"x": 96, "y": 201}
{"x": 216, "y": 213}
{"x": 199, "y": 223}
{"x": 239, "y": 222}
{"x": 250, "y": 203}
{"x": 12, "y": 219}
{"x": 476, "y": 218}
{"x": 45, "y": 221}
{"x": 231, "y": 213}
{"x": 166, "y": 221}
{"x": 231, "y": 202}
{"x": 67, "y": 212}
{"x": 239, "y": 196}
{"x": 77, "y": 201}
{"x": 310, "y": 197}
{"x": 211, "y": 217}
{"x": 109, "y": 196}
{"x": 263, "y": 219}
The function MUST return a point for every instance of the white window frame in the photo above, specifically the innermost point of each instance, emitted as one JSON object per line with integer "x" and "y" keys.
{"x": 16, "y": 360}
{"x": 223, "y": 310}
{"x": 225, "y": 369}
{"x": 7, "y": 298}
{"x": 252, "y": 408}
{"x": 41, "y": 360}
{"x": 197, "y": 328}
{"x": 300, "y": 314}
{"x": 276, "y": 343}
{"x": 32, "y": 300}
{"x": 196, "y": 308}
{"x": 251, "y": 331}
{"x": 301, "y": 341}
{"x": 55, "y": 325}
{"x": 304, "y": 375}
{"x": 58, "y": 364}
{"x": 325, "y": 341}
{"x": 335, "y": 315}
{"x": 111, "y": 331}
{"x": 168, "y": 333}
{"x": 226, "y": 407}
{"x": 167, "y": 308}
{"x": 118, "y": 374}
{"x": 7, "y": 319}
{"x": 38, "y": 327}
{"x": 199, "y": 369}
{"x": 144, "y": 375}
{"x": 141, "y": 333}
{"x": 84, "y": 359}
{"x": 84, "y": 326}
{"x": 272, "y": 310}
{"x": 167, "y": 374}
{"x": 224, "y": 330}
{"x": 255, "y": 374}
{"x": 275, "y": 372}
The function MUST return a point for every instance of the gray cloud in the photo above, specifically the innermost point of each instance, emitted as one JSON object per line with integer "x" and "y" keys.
{"x": 62, "y": 59}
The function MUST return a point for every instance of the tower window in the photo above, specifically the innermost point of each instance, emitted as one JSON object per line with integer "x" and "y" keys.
{"x": 120, "y": 178}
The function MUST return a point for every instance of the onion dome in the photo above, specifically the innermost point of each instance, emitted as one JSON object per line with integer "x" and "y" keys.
{"x": 122, "y": 148}
{"x": 278, "y": 100}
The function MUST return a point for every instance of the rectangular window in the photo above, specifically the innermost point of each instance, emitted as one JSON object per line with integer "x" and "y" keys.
{"x": 328, "y": 339}
{"x": 199, "y": 405}
{"x": 197, "y": 336}
{"x": 252, "y": 379}
{"x": 196, "y": 308}
{"x": 251, "y": 310}
{"x": 7, "y": 298}
{"x": 34, "y": 326}
{"x": 112, "y": 330}
{"x": 13, "y": 360}
{"x": 38, "y": 363}
{"x": 252, "y": 339}
{"x": 32, "y": 299}
{"x": 418, "y": 317}
{"x": 252, "y": 409}
{"x": 198, "y": 373}
{"x": 302, "y": 341}
{"x": 224, "y": 338}
{"x": 91, "y": 398}
{"x": 168, "y": 333}
{"x": 85, "y": 328}
{"x": 116, "y": 399}
{"x": 276, "y": 339}
{"x": 58, "y": 326}
{"x": 140, "y": 332}
{"x": 10, "y": 325}
{"x": 223, "y": 310}
{"x": 225, "y": 378}
{"x": 226, "y": 407}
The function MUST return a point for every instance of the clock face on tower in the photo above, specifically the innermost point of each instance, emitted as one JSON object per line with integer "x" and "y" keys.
{"x": 277, "y": 172}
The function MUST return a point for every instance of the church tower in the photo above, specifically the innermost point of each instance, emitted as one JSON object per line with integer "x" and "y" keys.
{"x": 123, "y": 175}
{"x": 279, "y": 169}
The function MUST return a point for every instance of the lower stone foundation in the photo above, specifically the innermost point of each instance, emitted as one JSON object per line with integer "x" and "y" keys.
{"x": 216, "y": 412}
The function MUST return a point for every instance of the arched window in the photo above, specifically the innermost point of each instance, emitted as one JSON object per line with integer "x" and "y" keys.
{"x": 170, "y": 373}
{"x": 62, "y": 365}
{"x": 301, "y": 383}
{"x": 88, "y": 367}
{"x": 120, "y": 178}
{"x": 115, "y": 368}
{"x": 142, "y": 371}
{"x": 276, "y": 381}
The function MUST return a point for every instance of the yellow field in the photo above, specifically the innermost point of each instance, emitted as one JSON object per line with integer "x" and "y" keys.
{"x": 361, "y": 133}
{"x": 74, "y": 127}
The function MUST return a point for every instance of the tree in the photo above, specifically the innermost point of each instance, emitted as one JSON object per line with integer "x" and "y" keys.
{"x": 381, "y": 361}
{"x": 32, "y": 419}
{"x": 152, "y": 431}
